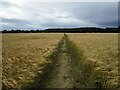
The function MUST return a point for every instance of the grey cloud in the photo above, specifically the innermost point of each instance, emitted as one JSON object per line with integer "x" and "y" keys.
{"x": 15, "y": 24}
{"x": 67, "y": 14}
{"x": 99, "y": 13}
{"x": 8, "y": 4}
{"x": 15, "y": 21}
{"x": 24, "y": 27}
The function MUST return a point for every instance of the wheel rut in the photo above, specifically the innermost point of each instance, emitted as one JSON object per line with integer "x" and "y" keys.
{"x": 61, "y": 77}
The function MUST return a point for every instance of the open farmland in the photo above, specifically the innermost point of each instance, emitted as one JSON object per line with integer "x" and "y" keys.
{"x": 100, "y": 55}
{"x": 53, "y": 60}
{"x": 0, "y": 61}
{"x": 24, "y": 55}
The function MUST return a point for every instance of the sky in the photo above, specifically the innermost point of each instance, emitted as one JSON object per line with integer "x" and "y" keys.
{"x": 34, "y": 14}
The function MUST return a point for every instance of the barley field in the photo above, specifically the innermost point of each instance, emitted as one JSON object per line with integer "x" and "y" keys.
{"x": 0, "y": 60}
{"x": 24, "y": 55}
{"x": 81, "y": 60}
{"x": 100, "y": 50}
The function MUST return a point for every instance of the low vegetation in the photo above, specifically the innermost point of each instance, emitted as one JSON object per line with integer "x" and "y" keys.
{"x": 95, "y": 59}
{"x": 0, "y": 60}
{"x": 29, "y": 57}
{"x": 26, "y": 55}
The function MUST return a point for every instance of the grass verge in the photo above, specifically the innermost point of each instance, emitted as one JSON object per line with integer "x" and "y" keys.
{"x": 84, "y": 72}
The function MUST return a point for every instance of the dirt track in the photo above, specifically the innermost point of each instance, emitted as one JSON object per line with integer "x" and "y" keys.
{"x": 61, "y": 77}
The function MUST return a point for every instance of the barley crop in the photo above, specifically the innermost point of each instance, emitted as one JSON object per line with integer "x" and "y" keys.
{"x": 101, "y": 52}
{"x": 24, "y": 55}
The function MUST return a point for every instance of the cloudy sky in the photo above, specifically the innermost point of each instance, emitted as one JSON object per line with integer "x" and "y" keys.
{"x": 41, "y": 15}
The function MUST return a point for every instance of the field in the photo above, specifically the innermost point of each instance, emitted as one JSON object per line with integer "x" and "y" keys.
{"x": 24, "y": 55}
{"x": 101, "y": 52}
{"x": 0, "y": 61}
{"x": 86, "y": 60}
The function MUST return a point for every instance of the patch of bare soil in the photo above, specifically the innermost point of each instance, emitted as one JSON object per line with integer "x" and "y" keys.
{"x": 61, "y": 77}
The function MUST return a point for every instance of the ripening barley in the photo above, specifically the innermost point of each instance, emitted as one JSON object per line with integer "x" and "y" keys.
{"x": 102, "y": 50}
{"x": 24, "y": 55}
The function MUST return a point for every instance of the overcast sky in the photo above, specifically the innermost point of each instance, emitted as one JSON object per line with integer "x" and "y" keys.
{"x": 42, "y": 15}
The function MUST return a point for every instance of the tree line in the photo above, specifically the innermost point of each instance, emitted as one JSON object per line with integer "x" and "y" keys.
{"x": 68, "y": 30}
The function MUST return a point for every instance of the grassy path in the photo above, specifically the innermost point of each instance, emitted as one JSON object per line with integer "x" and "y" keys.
{"x": 60, "y": 76}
